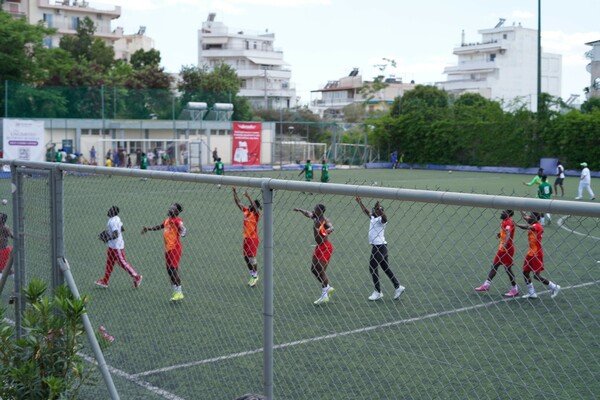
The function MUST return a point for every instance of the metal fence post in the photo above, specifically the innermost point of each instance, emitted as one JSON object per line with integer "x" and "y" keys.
{"x": 267, "y": 195}
{"x": 57, "y": 225}
{"x": 19, "y": 246}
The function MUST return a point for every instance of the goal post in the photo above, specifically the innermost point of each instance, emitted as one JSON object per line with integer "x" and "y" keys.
{"x": 160, "y": 152}
{"x": 295, "y": 152}
{"x": 351, "y": 154}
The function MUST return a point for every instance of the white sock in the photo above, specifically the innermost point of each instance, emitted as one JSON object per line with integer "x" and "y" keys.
{"x": 551, "y": 285}
{"x": 325, "y": 289}
{"x": 530, "y": 288}
{"x": 488, "y": 282}
{"x": 516, "y": 287}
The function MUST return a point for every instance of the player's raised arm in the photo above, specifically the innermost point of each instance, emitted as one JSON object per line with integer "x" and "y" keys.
{"x": 236, "y": 198}
{"x": 306, "y": 213}
{"x": 362, "y": 206}
{"x": 153, "y": 228}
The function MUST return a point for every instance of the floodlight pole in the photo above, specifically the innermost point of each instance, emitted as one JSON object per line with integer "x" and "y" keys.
{"x": 539, "y": 59}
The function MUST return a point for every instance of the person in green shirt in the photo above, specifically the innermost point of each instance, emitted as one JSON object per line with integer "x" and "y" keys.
{"x": 144, "y": 161}
{"x": 545, "y": 192}
{"x": 307, "y": 171}
{"x": 536, "y": 179}
{"x": 219, "y": 168}
{"x": 324, "y": 172}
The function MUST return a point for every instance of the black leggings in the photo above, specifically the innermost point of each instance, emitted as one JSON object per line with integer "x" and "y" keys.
{"x": 379, "y": 256}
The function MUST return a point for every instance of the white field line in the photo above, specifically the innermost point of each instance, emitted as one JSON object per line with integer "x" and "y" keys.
{"x": 562, "y": 225}
{"x": 342, "y": 334}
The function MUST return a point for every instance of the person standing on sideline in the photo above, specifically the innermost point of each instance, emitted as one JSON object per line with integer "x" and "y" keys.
{"x": 109, "y": 163}
{"x": 395, "y": 159}
{"x": 5, "y": 249}
{"x": 322, "y": 228}
{"x": 219, "y": 168}
{"x": 143, "y": 161}
{"x": 324, "y": 172}
{"x": 93, "y": 156}
{"x": 534, "y": 260}
{"x": 379, "y": 251}
{"x": 585, "y": 182}
{"x": 307, "y": 171}
{"x": 115, "y": 244}
{"x": 545, "y": 192}
{"x": 504, "y": 255}
{"x": 560, "y": 178}
{"x": 536, "y": 179}
{"x": 174, "y": 230}
{"x": 251, "y": 238}
{"x": 215, "y": 155}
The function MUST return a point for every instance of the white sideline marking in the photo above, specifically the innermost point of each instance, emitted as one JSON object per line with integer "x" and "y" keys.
{"x": 562, "y": 225}
{"x": 347, "y": 333}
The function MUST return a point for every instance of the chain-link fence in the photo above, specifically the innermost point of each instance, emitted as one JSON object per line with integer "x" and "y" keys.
{"x": 439, "y": 339}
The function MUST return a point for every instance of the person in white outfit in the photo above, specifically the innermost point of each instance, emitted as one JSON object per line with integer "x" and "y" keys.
{"x": 379, "y": 252}
{"x": 585, "y": 182}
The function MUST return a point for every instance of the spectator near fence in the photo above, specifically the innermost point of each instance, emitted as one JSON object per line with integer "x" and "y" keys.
{"x": 585, "y": 182}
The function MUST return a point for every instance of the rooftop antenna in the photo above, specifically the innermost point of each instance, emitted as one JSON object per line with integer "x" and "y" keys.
{"x": 500, "y": 22}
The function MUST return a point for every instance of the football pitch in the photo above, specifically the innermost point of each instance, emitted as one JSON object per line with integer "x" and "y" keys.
{"x": 441, "y": 339}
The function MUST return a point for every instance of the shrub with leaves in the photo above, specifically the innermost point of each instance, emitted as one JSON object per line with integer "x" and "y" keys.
{"x": 44, "y": 362}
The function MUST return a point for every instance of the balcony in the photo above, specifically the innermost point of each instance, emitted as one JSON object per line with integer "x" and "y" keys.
{"x": 477, "y": 67}
{"x": 485, "y": 47}
{"x": 80, "y": 6}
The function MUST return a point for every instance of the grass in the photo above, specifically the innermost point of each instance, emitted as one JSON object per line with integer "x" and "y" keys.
{"x": 441, "y": 340}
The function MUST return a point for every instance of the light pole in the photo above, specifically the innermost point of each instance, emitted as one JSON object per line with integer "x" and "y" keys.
{"x": 290, "y": 133}
{"x": 539, "y": 58}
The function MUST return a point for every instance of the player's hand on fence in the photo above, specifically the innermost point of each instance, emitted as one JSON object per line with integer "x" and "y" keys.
{"x": 144, "y": 230}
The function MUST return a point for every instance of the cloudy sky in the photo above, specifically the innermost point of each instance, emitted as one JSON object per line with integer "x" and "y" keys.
{"x": 324, "y": 39}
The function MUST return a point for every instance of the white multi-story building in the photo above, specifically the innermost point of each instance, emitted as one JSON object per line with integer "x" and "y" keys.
{"x": 594, "y": 69}
{"x": 265, "y": 76}
{"x": 331, "y": 99}
{"x": 65, "y": 16}
{"x": 503, "y": 66}
{"x": 129, "y": 44}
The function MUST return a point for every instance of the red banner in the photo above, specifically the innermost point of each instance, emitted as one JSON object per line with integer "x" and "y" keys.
{"x": 246, "y": 143}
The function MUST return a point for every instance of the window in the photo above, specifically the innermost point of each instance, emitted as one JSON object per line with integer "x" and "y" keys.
{"x": 504, "y": 36}
{"x": 47, "y": 42}
{"x": 247, "y": 45}
{"x": 48, "y": 20}
{"x": 75, "y": 22}
{"x": 254, "y": 46}
{"x": 493, "y": 57}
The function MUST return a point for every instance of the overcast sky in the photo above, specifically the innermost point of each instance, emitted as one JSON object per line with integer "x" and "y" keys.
{"x": 323, "y": 40}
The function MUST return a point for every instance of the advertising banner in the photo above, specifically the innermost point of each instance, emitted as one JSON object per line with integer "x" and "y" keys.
{"x": 23, "y": 140}
{"x": 246, "y": 143}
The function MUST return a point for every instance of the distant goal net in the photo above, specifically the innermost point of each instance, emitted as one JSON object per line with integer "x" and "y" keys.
{"x": 160, "y": 152}
{"x": 351, "y": 154}
{"x": 295, "y": 152}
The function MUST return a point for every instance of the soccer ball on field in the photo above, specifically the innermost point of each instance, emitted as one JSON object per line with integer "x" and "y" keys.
{"x": 4, "y": 201}
{"x": 450, "y": 171}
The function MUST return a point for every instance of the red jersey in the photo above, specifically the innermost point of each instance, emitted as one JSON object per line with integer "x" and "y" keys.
{"x": 534, "y": 236}
{"x": 250, "y": 224}
{"x": 172, "y": 233}
{"x": 506, "y": 228}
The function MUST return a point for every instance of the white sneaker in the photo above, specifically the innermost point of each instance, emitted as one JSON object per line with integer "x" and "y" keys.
{"x": 375, "y": 296}
{"x": 531, "y": 296}
{"x": 554, "y": 291}
{"x": 321, "y": 300}
{"x": 398, "y": 292}
{"x": 577, "y": 198}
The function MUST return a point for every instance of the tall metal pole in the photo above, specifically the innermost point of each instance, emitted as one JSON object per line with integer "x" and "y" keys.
{"x": 539, "y": 57}
{"x": 268, "y": 311}
{"x": 6, "y": 98}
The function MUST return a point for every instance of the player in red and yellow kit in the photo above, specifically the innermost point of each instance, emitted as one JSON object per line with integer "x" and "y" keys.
{"x": 174, "y": 230}
{"x": 504, "y": 255}
{"x": 322, "y": 228}
{"x": 534, "y": 260}
{"x": 251, "y": 239}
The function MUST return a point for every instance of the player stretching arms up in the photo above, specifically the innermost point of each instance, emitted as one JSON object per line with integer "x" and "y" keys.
{"x": 504, "y": 256}
{"x": 534, "y": 260}
{"x": 251, "y": 239}
{"x": 322, "y": 254}
{"x": 114, "y": 249}
{"x": 379, "y": 251}
{"x": 173, "y": 231}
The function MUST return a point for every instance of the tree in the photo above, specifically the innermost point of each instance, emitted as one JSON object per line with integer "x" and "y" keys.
{"x": 142, "y": 58}
{"x": 219, "y": 85}
{"x": 591, "y": 104}
{"x": 85, "y": 47}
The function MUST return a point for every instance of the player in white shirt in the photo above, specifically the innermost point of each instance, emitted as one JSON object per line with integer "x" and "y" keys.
{"x": 115, "y": 244}
{"x": 560, "y": 178}
{"x": 379, "y": 252}
{"x": 585, "y": 182}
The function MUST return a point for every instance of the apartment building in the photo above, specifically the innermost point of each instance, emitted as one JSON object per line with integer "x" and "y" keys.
{"x": 503, "y": 66}
{"x": 265, "y": 76}
{"x": 594, "y": 69}
{"x": 331, "y": 99}
{"x": 126, "y": 45}
{"x": 65, "y": 16}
